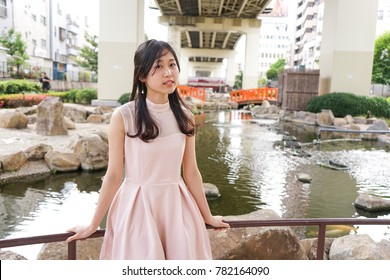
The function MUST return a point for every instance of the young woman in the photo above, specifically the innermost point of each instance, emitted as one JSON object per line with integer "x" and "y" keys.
{"x": 154, "y": 212}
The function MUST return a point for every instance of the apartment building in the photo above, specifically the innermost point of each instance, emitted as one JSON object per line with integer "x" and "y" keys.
{"x": 32, "y": 20}
{"x": 54, "y": 34}
{"x": 276, "y": 32}
{"x": 383, "y": 22}
{"x": 308, "y": 33}
{"x": 309, "y": 25}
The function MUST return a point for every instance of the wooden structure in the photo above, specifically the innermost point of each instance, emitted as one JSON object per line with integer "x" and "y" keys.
{"x": 296, "y": 88}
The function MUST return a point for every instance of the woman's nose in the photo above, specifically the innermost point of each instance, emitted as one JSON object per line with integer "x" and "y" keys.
{"x": 167, "y": 72}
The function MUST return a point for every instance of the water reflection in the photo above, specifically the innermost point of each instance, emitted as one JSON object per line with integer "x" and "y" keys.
{"x": 252, "y": 173}
{"x": 46, "y": 205}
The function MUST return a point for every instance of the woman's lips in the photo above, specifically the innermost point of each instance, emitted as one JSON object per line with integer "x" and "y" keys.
{"x": 169, "y": 83}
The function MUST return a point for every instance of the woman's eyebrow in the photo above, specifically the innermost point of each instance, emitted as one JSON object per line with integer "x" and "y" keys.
{"x": 160, "y": 60}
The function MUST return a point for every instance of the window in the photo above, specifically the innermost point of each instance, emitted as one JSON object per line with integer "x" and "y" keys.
{"x": 43, "y": 20}
{"x": 43, "y": 43}
{"x": 59, "y": 10}
{"x": 380, "y": 14}
{"x": 34, "y": 17}
{"x": 62, "y": 34}
{"x": 3, "y": 8}
{"x": 311, "y": 52}
{"x": 34, "y": 42}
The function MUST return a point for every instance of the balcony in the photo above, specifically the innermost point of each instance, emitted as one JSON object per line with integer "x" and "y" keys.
{"x": 59, "y": 57}
{"x": 73, "y": 51}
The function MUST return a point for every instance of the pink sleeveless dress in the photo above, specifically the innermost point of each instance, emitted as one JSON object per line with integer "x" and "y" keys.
{"x": 153, "y": 215}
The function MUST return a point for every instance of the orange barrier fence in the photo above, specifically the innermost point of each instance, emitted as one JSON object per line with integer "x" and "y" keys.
{"x": 198, "y": 93}
{"x": 256, "y": 94}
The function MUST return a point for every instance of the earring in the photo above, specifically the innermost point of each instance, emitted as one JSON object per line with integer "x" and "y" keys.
{"x": 142, "y": 88}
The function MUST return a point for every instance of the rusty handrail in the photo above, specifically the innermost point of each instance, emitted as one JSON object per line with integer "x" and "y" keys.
{"x": 320, "y": 222}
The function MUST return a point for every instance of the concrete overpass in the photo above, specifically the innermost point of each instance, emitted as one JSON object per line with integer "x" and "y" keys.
{"x": 205, "y": 32}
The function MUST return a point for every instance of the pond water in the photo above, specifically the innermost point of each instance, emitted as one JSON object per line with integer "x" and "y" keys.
{"x": 246, "y": 159}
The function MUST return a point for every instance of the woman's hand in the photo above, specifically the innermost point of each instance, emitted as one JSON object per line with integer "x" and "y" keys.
{"x": 217, "y": 222}
{"x": 81, "y": 232}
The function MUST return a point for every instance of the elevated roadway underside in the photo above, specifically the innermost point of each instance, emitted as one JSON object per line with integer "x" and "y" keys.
{"x": 188, "y": 13}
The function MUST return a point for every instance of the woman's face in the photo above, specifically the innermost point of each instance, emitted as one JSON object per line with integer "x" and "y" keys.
{"x": 163, "y": 77}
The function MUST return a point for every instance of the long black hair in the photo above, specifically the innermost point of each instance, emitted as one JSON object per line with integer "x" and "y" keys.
{"x": 144, "y": 59}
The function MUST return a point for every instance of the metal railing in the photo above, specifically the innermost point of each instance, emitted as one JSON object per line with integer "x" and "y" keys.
{"x": 255, "y": 94}
{"x": 185, "y": 91}
{"x": 320, "y": 222}
{"x": 330, "y": 129}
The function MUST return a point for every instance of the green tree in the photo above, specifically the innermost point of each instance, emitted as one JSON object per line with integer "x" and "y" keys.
{"x": 16, "y": 49}
{"x": 238, "y": 80}
{"x": 381, "y": 65}
{"x": 272, "y": 73}
{"x": 89, "y": 53}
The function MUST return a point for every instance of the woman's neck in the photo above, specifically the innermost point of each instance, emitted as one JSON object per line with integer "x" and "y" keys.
{"x": 158, "y": 99}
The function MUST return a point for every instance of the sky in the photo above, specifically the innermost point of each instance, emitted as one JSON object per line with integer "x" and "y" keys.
{"x": 153, "y": 29}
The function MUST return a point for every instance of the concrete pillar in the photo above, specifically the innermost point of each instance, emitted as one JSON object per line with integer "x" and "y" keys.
{"x": 231, "y": 71}
{"x": 347, "y": 46}
{"x": 250, "y": 72}
{"x": 121, "y": 30}
{"x": 184, "y": 67}
{"x": 174, "y": 40}
{"x": 218, "y": 69}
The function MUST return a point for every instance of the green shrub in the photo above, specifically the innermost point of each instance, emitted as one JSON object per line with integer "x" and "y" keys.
{"x": 343, "y": 104}
{"x": 71, "y": 96}
{"x": 62, "y": 95}
{"x": 80, "y": 96}
{"x": 85, "y": 96}
{"x": 379, "y": 107}
{"x": 19, "y": 86}
{"x": 124, "y": 98}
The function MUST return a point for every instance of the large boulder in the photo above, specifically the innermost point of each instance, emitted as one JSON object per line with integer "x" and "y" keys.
{"x": 12, "y": 119}
{"x": 325, "y": 118}
{"x": 37, "y": 152}
{"x": 378, "y": 125}
{"x": 50, "y": 120}
{"x": 77, "y": 113}
{"x": 256, "y": 243}
{"x": 86, "y": 250}
{"x": 311, "y": 247}
{"x": 211, "y": 191}
{"x": 63, "y": 162}
{"x": 372, "y": 203}
{"x": 14, "y": 161}
{"x": 92, "y": 152}
{"x": 9, "y": 255}
{"x": 359, "y": 247}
